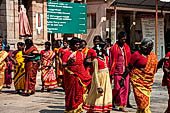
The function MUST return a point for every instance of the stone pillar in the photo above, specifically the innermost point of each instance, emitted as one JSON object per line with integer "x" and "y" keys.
{"x": 38, "y": 7}
{"x": 45, "y": 20}
{"x": 112, "y": 29}
{"x": 12, "y": 23}
{"x": 3, "y": 19}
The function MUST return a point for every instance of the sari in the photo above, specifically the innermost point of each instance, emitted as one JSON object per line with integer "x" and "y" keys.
{"x": 47, "y": 73}
{"x": 85, "y": 51}
{"x": 19, "y": 71}
{"x": 76, "y": 81}
{"x": 61, "y": 70}
{"x": 58, "y": 65}
{"x": 3, "y": 56}
{"x": 166, "y": 77}
{"x": 99, "y": 102}
{"x": 31, "y": 67}
{"x": 166, "y": 80}
{"x": 8, "y": 72}
{"x": 142, "y": 81}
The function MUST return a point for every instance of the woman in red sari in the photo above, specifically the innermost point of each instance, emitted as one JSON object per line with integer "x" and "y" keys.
{"x": 76, "y": 79}
{"x": 166, "y": 78}
{"x": 47, "y": 71}
{"x": 61, "y": 52}
{"x": 31, "y": 66}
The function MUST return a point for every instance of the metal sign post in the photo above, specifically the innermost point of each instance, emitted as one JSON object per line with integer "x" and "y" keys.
{"x": 156, "y": 28}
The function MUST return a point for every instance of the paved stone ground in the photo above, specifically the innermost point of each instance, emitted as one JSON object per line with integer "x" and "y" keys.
{"x": 53, "y": 102}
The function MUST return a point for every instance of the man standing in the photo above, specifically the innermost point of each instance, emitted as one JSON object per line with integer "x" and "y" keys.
{"x": 119, "y": 59}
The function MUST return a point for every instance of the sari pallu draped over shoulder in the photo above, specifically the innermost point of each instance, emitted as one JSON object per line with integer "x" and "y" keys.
{"x": 114, "y": 55}
{"x": 3, "y": 55}
{"x": 31, "y": 49}
{"x": 31, "y": 67}
{"x": 76, "y": 80}
{"x": 19, "y": 71}
{"x": 142, "y": 81}
{"x": 48, "y": 73}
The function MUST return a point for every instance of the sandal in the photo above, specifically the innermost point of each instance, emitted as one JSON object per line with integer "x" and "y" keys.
{"x": 26, "y": 93}
{"x": 123, "y": 110}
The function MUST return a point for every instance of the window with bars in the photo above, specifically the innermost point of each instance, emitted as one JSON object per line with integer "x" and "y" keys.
{"x": 91, "y": 21}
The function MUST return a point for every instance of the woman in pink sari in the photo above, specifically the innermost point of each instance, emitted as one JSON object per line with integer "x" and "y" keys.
{"x": 47, "y": 71}
{"x": 8, "y": 70}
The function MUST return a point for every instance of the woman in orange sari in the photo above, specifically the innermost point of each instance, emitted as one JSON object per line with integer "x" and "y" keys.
{"x": 3, "y": 57}
{"x": 76, "y": 79}
{"x": 32, "y": 59}
{"x": 143, "y": 66}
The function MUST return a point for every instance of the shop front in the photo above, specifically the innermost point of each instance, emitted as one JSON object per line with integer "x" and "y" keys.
{"x": 138, "y": 20}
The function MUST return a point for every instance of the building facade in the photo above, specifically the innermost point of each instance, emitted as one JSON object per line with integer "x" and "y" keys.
{"x": 37, "y": 14}
{"x": 104, "y": 17}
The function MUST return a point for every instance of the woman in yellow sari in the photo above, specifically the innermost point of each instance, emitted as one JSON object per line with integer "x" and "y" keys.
{"x": 83, "y": 46}
{"x": 143, "y": 66}
{"x": 58, "y": 61}
{"x": 3, "y": 57}
{"x": 19, "y": 68}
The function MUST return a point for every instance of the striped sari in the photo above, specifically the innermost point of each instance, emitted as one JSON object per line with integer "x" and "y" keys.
{"x": 142, "y": 81}
{"x": 3, "y": 56}
{"x": 19, "y": 71}
{"x": 58, "y": 66}
{"x": 85, "y": 51}
{"x": 48, "y": 73}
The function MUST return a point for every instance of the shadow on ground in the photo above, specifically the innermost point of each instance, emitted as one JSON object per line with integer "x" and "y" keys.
{"x": 51, "y": 111}
{"x": 9, "y": 91}
{"x": 59, "y": 109}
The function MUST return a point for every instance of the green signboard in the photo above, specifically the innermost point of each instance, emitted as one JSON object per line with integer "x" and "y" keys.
{"x": 66, "y": 17}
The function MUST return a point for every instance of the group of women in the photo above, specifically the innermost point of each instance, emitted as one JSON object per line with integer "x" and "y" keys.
{"x": 77, "y": 63}
{"x": 82, "y": 71}
{"x": 25, "y": 61}
{"x": 95, "y": 77}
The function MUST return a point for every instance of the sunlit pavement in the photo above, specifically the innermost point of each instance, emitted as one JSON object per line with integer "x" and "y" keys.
{"x": 53, "y": 102}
